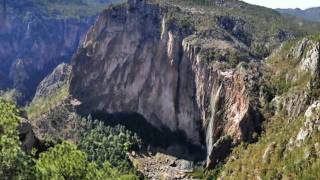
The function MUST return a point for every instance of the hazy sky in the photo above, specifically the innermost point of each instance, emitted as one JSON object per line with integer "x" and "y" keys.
{"x": 302, "y": 4}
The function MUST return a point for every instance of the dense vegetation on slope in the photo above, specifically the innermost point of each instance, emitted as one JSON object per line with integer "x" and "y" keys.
{"x": 65, "y": 160}
{"x": 103, "y": 143}
{"x": 44, "y": 104}
{"x": 283, "y": 150}
{"x": 14, "y": 163}
{"x": 51, "y": 91}
{"x": 269, "y": 158}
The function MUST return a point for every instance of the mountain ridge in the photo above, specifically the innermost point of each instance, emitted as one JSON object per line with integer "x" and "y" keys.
{"x": 311, "y": 14}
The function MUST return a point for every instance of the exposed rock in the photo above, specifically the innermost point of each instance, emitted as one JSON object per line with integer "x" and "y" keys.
{"x": 54, "y": 117}
{"x": 59, "y": 77}
{"x": 292, "y": 104}
{"x": 236, "y": 27}
{"x": 27, "y": 136}
{"x": 184, "y": 166}
{"x": 56, "y": 124}
{"x": 126, "y": 57}
{"x": 267, "y": 153}
{"x": 307, "y": 52}
{"x": 162, "y": 166}
{"x": 219, "y": 151}
{"x": 297, "y": 51}
{"x": 135, "y": 60}
{"x": 310, "y": 62}
{"x": 311, "y": 124}
{"x": 312, "y": 121}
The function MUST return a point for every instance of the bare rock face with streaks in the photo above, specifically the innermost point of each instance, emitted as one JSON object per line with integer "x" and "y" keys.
{"x": 135, "y": 60}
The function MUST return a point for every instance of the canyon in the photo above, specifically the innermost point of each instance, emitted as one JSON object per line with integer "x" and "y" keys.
{"x": 137, "y": 59}
{"x": 222, "y": 86}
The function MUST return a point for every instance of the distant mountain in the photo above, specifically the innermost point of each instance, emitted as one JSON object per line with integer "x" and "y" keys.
{"x": 311, "y": 14}
{"x": 62, "y": 9}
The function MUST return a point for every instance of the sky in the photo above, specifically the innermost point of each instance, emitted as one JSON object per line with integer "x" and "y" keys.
{"x": 302, "y": 4}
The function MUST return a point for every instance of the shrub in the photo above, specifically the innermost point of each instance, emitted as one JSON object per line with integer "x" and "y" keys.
{"x": 14, "y": 163}
{"x": 103, "y": 143}
{"x": 64, "y": 161}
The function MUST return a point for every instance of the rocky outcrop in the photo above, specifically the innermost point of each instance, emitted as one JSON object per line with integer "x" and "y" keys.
{"x": 312, "y": 122}
{"x": 292, "y": 104}
{"x": 307, "y": 51}
{"x": 162, "y": 166}
{"x": 305, "y": 56}
{"x": 135, "y": 60}
{"x": 49, "y": 85}
{"x": 27, "y": 136}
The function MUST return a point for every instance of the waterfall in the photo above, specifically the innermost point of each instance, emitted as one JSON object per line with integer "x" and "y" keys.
{"x": 213, "y": 104}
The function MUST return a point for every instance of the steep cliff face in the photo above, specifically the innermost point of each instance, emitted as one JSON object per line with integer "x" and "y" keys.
{"x": 140, "y": 58}
{"x": 34, "y": 40}
{"x": 134, "y": 59}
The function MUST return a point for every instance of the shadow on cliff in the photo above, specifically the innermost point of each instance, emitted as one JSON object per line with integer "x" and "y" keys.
{"x": 171, "y": 143}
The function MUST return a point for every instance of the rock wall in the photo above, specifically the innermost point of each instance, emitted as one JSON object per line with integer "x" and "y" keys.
{"x": 135, "y": 60}
{"x": 137, "y": 57}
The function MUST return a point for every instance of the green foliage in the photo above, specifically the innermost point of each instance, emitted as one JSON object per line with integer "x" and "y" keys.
{"x": 231, "y": 58}
{"x": 283, "y": 75}
{"x": 211, "y": 55}
{"x": 249, "y": 161}
{"x": 11, "y": 95}
{"x": 280, "y": 84}
{"x": 65, "y": 161}
{"x": 260, "y": 50}
{"x": 201, "y": 173}
{"x": 14, "y": 163}
{"x": 42, "y": 105}
{"x": 103, "y": 143}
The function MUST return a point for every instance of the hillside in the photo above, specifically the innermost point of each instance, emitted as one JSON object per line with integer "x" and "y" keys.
{"x": 311, "y": 14}
{"x": 288, "y": 148}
